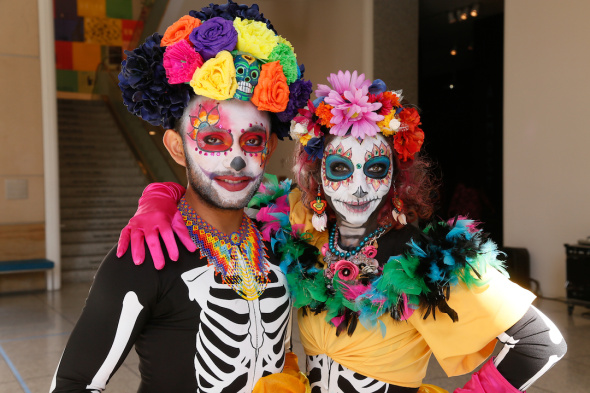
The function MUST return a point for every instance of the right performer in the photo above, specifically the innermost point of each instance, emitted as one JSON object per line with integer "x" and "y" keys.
{"x": 376, "y": 296}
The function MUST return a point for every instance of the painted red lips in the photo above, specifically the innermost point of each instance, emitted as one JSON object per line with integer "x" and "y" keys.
{"x": 233, "y": 183}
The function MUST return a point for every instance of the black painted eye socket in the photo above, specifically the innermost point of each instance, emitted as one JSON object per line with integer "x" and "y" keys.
{"x": 377, "y": 167}
{"x": 338, "y": 168}
{"x": 240, "y": 70}
{"x": 254, "y": 74}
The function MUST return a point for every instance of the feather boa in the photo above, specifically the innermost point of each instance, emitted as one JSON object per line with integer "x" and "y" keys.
{"x": 445, "y": 254}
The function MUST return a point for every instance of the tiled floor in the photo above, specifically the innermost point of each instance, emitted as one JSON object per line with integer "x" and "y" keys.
{"x": 34, "y": 329}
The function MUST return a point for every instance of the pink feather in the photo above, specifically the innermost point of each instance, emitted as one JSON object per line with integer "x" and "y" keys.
{"x": 337, "y": 320}
{"x": 352, "y": 292}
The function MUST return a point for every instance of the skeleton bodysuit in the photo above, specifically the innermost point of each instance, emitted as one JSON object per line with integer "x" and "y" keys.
{"x": 194, "y": 330}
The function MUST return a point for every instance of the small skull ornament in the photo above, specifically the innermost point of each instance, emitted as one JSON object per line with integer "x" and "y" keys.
{"x": 247, "y": 74}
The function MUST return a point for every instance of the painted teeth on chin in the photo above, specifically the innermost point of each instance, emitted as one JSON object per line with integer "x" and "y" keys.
{"x": 245, "y": 87}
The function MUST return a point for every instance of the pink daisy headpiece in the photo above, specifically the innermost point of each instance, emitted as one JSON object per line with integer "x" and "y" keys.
{"x": 356, "y": 106}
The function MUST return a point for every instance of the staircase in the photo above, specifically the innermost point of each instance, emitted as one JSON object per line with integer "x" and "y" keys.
{"x": 100, "y": 183}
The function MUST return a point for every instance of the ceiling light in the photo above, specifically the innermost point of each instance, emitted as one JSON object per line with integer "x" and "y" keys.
{"x": 152, "y": 132}
{"x": 463, "y": 14}
{"x": 474, "y": 10}
{"x": 453, "y": 52}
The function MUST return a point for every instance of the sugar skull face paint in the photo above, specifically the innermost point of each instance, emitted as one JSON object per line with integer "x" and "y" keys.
{"x": 226, "y": 149}
{"x": 356, "y": 176}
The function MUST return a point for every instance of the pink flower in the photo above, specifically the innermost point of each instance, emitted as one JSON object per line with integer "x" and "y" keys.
{"x": 346, "y": 270}
{"x": 180, "y": 62}
{"x": 325, "y": 248}
{"x": 342, "y": 82}
{"x": 354, "y": 110}
{"x": 370, "y": 251}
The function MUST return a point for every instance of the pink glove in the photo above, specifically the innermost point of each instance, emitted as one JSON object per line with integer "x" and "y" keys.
{"x": 488, "y": 380}
{"x": 157, "y": 215}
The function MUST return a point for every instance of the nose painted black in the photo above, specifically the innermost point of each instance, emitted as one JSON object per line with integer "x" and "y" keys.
{"x": 360, "y": 193}
{"x": 238, "y": 163}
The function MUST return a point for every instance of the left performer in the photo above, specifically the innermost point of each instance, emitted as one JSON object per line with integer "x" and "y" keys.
{"x": 225, "y": 85}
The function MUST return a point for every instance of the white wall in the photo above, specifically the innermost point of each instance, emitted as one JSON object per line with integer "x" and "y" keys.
{"x": 546, "y": 132}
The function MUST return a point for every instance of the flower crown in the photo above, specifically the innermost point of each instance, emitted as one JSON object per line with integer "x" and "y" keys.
{"x": 222, "y": 52}
{"x": 359, "y": 107}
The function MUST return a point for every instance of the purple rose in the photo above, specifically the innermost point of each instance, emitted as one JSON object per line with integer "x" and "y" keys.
{"x": 213, "y": 36}
{"x": 299, "y": 92}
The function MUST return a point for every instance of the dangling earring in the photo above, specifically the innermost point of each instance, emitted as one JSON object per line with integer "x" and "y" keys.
{"x": 398, "y": 208}
{"x": 319, "y": 219}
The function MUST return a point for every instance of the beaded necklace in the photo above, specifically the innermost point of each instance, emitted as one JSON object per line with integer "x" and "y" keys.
{"x": 239, "y": 258}
{"x": 362, "y": 256}
{"x": 372, "y": 237}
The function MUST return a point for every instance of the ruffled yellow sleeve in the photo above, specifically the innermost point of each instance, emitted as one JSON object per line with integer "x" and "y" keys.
{"x": 301, "y": 216}
{"x": 484, "y": 312}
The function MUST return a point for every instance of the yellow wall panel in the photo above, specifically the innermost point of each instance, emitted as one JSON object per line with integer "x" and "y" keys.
{"x": 92, "y": 8}
{"x": 104, "y": 31}
{"x": 85, "y": 57}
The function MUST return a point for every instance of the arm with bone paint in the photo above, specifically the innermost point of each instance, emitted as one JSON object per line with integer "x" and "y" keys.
{"x": 531, "y": 347}
{"x": 157, "y": 216}
{"x": 116, "y": 310}
{"x": 498, "y": 310}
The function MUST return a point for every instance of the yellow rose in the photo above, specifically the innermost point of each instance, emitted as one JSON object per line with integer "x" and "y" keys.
{"x": 255, "y": 38}
{"x": 305, "y": 138}
{"x": 216, "y": 79}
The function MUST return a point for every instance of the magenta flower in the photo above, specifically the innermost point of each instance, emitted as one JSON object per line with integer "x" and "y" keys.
{"x": 354, "y": 111}
{"x": 325, "y": 248}
{"x": 346, "y": 270}
{"x": 342, "y": 82}
{"x": 370, "y": 251}
{"x": 180, "y": 62}
{"x": 306, "y": 118}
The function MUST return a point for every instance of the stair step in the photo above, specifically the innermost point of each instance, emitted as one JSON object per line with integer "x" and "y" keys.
{"x": 94, "y": 182}
{"x": 80, "y": 162}
{"x": 81, "y": 275}
{"x": 90, "y": 236}
{"x": 74, "y": 144}
{"x": 99, "y": 201}
{"x": 110, "y": 212}
{"x": 74, "y": 170}
{"x": 88, "y": 249}
{"x": 96, "y": 154}
{"x": 94, "y": 223}
{"x": 85, "y": 262}
{"x": 107, "y": 191}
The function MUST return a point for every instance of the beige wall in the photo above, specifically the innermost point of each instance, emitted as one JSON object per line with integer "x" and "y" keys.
{"x": 21, "y": 135}
{"x": 546, "y": 137}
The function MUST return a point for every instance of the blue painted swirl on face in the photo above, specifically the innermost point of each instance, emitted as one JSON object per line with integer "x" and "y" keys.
{"x": 338, "y": 168}
{"x": 377, "y": 167}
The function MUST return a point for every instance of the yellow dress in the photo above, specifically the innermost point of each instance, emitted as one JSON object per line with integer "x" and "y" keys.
{"x": 401, "y": 356}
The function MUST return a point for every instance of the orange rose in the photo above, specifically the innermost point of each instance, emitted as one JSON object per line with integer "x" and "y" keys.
{"x": 410, "y": 117}
{"x": 407, "y": 143}
{"x": 272, "y": 92}
{"x": 180, "y": 30}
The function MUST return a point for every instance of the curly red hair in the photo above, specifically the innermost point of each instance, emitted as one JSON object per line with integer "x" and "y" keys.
{"x": 413, "y": 181}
